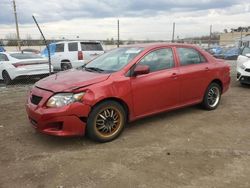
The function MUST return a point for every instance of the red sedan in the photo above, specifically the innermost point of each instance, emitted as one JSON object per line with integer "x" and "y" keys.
{"x": 123, "y": 85}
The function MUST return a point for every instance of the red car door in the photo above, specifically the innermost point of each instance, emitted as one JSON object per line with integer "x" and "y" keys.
{"x": 193, "y": 75}
{"x": 159, "y": 89}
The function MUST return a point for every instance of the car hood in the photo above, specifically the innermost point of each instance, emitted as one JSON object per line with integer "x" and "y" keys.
{"x": 247, "y": 64}
{"x": 70, "y": 80}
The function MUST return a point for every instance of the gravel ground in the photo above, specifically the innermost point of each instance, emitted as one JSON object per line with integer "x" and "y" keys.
{"x": 189, "y": 147}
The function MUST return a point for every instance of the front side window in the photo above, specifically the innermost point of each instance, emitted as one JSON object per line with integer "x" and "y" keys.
{"x": 190, "y": 56}
{"x": 114, "y": 60}
{"x": 73, "y": 47}
{"x": 60, "y": 47}
{"x": 159, "y": 60}
{"x": 246, "y": 51}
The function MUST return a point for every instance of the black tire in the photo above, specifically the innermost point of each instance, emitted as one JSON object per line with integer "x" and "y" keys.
{"x": 211, "y": 99}
{"x": 103, "y": 125}
{"x": 244, "y": 84}
{"x": 65, "y": 66}
{"x": 6, "y": 78}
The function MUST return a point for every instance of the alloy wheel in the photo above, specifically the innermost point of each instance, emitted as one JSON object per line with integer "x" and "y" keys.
{"x": 108, "y": 121}
{"x": 213, "y": 96}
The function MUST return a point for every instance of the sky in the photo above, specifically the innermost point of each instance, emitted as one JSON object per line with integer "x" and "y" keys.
{"x": 139, "y": 19}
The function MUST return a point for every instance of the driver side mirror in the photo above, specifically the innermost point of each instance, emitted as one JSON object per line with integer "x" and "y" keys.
{"x": 248, "y": 55}
{"x": 141, "y": 69}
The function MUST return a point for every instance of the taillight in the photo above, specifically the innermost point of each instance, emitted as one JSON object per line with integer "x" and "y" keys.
{"x": 80, "y": 55}
{"x": 17, "y": 65}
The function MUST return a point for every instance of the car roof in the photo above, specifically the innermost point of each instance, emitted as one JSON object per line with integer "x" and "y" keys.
{"x": 13, "y": 52}
{"x": 157, "y": 45}
{"x": 76, "y": 41}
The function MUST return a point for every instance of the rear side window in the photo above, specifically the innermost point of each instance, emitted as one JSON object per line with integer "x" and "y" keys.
{"x": 59, "y": 47}
{"x": 190, "y": 56}
{"x": 73, "y": 47}
{"x": 159, "y": 60}
{"x": 3, "y": 57}
{"x": 91, "y": 46}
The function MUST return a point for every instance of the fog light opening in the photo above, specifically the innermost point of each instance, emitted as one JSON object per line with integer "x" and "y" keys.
{"x": 57, "y": 126}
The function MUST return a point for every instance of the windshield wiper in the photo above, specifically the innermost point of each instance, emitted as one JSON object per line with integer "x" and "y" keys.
{"x": 93, "y": 69}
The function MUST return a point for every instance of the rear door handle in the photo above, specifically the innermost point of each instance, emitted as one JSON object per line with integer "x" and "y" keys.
{"x": 206, "y": 69}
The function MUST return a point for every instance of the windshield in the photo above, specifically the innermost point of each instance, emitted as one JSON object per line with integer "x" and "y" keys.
{"x": 25, "y": 56}
{"x": 114, "y": 60}
{"x": 246, "y": 51}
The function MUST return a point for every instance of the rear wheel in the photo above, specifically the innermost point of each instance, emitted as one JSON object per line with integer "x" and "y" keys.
{"x": 106, "y": 121}
{"x": 65, "y": 66}
{"x": 212, "y": 97}
{"x": 6, "y": 78}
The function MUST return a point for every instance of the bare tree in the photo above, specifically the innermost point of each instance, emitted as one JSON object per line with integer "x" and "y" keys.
{"x": 11, "y": 39}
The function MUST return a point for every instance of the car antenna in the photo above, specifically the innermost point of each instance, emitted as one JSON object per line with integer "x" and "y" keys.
{"x": 45, "y": 41}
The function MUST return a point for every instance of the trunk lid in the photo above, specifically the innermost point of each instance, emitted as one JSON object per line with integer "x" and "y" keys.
{"x": 30, "y": 62}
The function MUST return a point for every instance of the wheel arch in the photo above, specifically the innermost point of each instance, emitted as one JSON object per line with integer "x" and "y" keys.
{"x": 1, "y": 76}
{"x": 118, "y": 100}
{"x": 65, "y": 60}
{"x": 3, "y": 72}
{"x": 219, "y": 82}
{"x": 9, "y": 76}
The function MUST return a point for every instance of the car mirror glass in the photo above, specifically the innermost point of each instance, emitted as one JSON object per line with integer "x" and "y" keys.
{"x": 141, "y": 69}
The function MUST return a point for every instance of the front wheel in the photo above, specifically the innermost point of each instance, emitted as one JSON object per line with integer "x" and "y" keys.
{"x": 212, "y": 97}
{"x": 106, "y": 121}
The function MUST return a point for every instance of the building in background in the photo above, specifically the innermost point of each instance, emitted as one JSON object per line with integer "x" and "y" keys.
{"x": 234, "y": 38}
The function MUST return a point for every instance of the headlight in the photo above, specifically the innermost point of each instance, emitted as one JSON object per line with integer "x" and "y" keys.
{"x": 243, "y": 67}
{"x": 63, "y": 99}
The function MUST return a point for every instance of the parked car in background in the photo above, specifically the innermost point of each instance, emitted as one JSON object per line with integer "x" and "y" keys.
{"x": 215, "y": 50}
{"x": 225, "y": 52}
{"x": 52, "y": 48}
{"x": 2, "y": 49}
{"x": 72, "y": 54}
{"x": 123, "y": 85}
{"x": 31, "y": 50}
{"x": 243, "y": 66}
{"x": 16, "y": 65}
{"x": 220, "y": 53}
{"x": 231, "y": 53}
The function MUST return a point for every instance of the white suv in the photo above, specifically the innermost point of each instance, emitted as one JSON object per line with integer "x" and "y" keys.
{"x": 73, "y": 54}
{"x": 243, "y": 66}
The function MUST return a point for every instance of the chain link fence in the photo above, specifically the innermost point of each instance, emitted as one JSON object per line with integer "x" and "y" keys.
{"x": 28, "y": 66}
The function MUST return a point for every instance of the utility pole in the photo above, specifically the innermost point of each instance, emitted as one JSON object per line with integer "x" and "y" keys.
{"x": 17, "y": 28}
{"x": 241, "y": 42}
{"x": 173, "y": 32}
{"x": 210, "y": 36}
{"x": 45, "y": 42}
{"x": 118, "y": 33}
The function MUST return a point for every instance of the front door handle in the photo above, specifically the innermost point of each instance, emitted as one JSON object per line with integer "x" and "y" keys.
{"x": 174, "y": 75}
{"x": 206, "y": 69}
